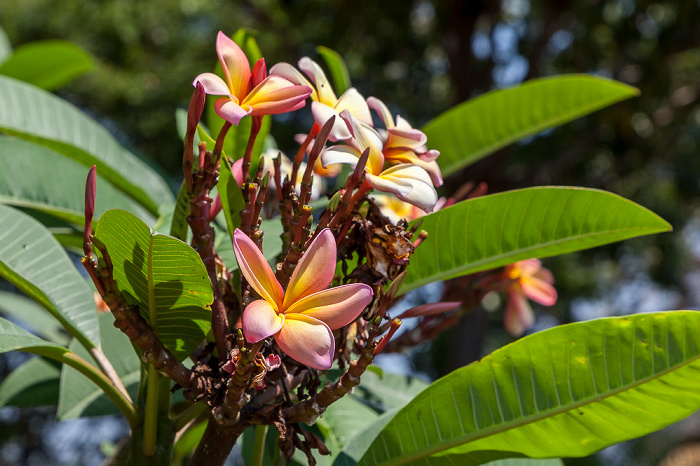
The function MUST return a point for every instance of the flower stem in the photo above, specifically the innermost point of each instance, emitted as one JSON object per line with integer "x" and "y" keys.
{"x": 150, "y": 425}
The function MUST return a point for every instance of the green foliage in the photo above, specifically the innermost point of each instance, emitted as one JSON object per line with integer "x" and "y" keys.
{"x": 32, "y": 260}
{"x": 35, "y": 383}
{"x": 29, "y": 180}
{"x": 232, "y": 201}
{"x": 33, "y": 114}
{"x": 49, "y": 64}
{"x": 33, "y": 316}
{"x": 480, "y": 126}
{"x": 567, "y": 391}
{"x": 491, "y": 231}
{"x": 340, "y": 77}
{"x": 161, "y": 275}
{"x": 78, "y": 397}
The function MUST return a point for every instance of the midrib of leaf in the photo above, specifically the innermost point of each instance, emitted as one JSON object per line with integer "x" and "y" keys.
{"x": 474, "y": 266}
{"x": 152, "y": 311}
{"x": 127, "y": 380}
{"x": 487, "y": 432}
{"x": 56, "y": 211}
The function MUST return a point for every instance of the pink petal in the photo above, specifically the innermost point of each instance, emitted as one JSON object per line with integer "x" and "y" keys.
{"x": 260, "y": 321}
{"x": 382, "y": 110}
{"x": 229, "y": 110}
{"x": 519, "y": 316}
{"x": 276, "y": 95}
{"x": 430, "y": 155}
{"x": 528, "y": 266}
{"x": 322, "y": 113}
{"x": 544, "y": 274}
{"x": 407, "y": 138}
{"x": 388, "y": 186}
{"x": 336, "y": 307}
{"x": 315, "y": 269}
{"x": 538, "y": 290}
{"x": 259, "y": 72}
{"x": 408, "y": 156}
{"x": 307, "y": 340}
{"x": 318, "y": 78}
{"x": 256, "y": 270}
{"x": 353, "y": 102}
{"x": 213, "y": 85}
{"x": 235, "y": 65}
{"x": 293, "y": 75}
{"x": 237, "y": 170}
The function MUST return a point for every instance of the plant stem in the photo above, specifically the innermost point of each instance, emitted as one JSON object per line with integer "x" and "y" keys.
{"x": 151, "y": 413}
{"x": 109, "y": 371}
{"x": 259, "y": 448}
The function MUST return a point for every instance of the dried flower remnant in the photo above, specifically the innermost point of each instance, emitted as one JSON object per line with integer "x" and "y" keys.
{"x": 303, "y": 317}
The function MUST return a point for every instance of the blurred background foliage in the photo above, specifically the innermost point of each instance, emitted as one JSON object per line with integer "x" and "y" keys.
{"x": 422, "y": 57}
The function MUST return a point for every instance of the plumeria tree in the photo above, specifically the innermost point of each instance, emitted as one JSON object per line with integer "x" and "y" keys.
{"x": 250, "y": 307}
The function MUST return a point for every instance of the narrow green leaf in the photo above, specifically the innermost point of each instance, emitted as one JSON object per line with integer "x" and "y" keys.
{"x": 478, "y": 127}
{"x": 29, "y": 175}
{"x": 32, "y": 315}
{"x": 14, "y": 338}
{"x": 180, "y": 290}
{"x": 34, "y": 383}
{"x": 178, "y": 225}
{"x": 78, "y": 397}
{"x": 567, "y": 391}
{"x": 36, "y": 115}
{"x": 5, "y": 46}
{"x": 48, "y": 64}
{"x": 491, "y": 231}
{"x": 33, "y": 261}
{"x": 337, "y": 68}
{"x": 232, "y": 201}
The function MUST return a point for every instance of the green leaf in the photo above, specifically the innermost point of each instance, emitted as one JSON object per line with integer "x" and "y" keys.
{"x": 491, "y": 231}
{"x": 163, "y": 276}
{"x": 48, "y": 64}
{"x": 567, "y": 391}
{"x": 32, "y": 315}
{"x": 5, "y": 46}
{"x": 178, "y": 225}
{"x": 33, "y": 261}
{"x": 14, "y": 338}
{"x": 336, "y": 66}
{"x": 478, "y": 127}
{"x": 29, "y": 180}
{"x": 36, "y": 115}
{"x": 34, "y": 383}
{"x": 232, "y": 201}
{"x": 78, "y": 397}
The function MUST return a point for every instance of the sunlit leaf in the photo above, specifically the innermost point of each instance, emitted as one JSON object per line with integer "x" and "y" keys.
{"x": 150, "y": 265}
{"x": 178, "y": 223}
{"x": 29, "y": 176}
{"x": 32, "y": 260}
{"x": 36, "y": 115}
{"x": 564, "y": 392}
{"x": 78, "y": 397}
{"x": 478, "y": 127}
{"x": 48, "y": 64}
{"x": 491, "y": 231}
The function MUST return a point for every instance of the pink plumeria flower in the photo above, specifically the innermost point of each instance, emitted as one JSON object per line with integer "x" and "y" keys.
{"x": 395, "y": 209}
{"x": 529, "y": 280}
{"x": 407, "y": 181}
{"x": 237, "y": 172}
{"x": 246, "y": 92}
{"x": 303, "y": 317}
{"x": 325, "y": 103}
{"x": 405, "y": 144}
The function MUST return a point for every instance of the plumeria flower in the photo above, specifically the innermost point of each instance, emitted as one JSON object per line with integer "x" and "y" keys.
{"x": 405, "y": 144}
{"x": 407, "y": 181}
{"x": 246, "y": 92}
{"x": 325, "y": 103}
{"x": 528, "y": 280}
{"x": 395, "y": 209}
{"x": 303, "y": 317}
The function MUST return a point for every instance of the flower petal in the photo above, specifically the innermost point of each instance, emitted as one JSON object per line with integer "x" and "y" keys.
{"x": 408, "y": 156}
{"x": 213, "y": 84}
{"x": 409, "y": 182}
{"x": 388, "y": 186}
{"x": 519, "y": 316}
{"x": 315, "y": 269}
{"x": 340, "y": 154}
{"x": 276, "y": 95}
{"x": 235, "y": 65}
{"x": 353, "y": 102}
{"x": 336, "y": 307}
{"x": 365, "y": 136}
{"x": 318, "y": 77}
{"x": 307, "y": 340}
{"x": 322, "y": 113}
{"x": 538, "y": 290}
{"x": 410, "y": 138}
{"x": 259, "y": 72}
{"x": 229, "y": 110}
{"x": 293, "y": 75}
{"x": 256, "y": 270}
{"x": 260, "y": 320}
{"x": 382, "y": 110}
